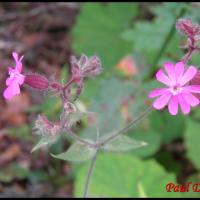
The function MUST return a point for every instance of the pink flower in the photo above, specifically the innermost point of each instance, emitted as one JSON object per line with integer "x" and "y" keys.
{"x": 177, "y": 92}
{"x": 15, "y": 79}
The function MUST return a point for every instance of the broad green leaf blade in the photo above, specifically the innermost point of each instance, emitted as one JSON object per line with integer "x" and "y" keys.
{"x": 78, "y": 152}
{"x": 192, "y": 138}
{"x": 119, "y": 175}
{"x": 148, "y": 37}
{"x": 123, "y": 143}
{"x": 44, "y": 141}
{"x": 107, "y": 103}
{"x": 168, "y": 126}
{"x": 101, "y": 25}
{"x": 153, "y": 140}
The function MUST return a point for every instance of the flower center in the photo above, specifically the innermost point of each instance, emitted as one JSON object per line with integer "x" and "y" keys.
{"x": 176, "y": 89}
{"x": 14, "y": 74}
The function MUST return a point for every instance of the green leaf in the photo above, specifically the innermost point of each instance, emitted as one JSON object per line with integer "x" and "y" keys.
{"x": 168, "y": 126}
{"x": 192, "y": 138}
{"x": 168, "y": 161}
{"x": 148, "y": 37}
{"x": 98, "y": 30}
{"x": 193, "y": 179}
{"x": 125, "y": 176}
{"x": 45, "y": 140}
{"x": 123, "y": 143}
{"x": 107, "y": 103}
{"x": 153, "y": 140}
{"x": 78, "y": 152}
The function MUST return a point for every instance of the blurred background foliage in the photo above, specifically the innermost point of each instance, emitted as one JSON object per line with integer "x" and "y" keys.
{"x": 144, "y": 32}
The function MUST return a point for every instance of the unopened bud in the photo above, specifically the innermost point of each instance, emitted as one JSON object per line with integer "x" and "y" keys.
{"x": 86, "y": 67}
{"x": 190, "y": 29}
{"x": 45, "y": 127}
{"x": 36, "y": 81}
{"x": 69, "y": 108}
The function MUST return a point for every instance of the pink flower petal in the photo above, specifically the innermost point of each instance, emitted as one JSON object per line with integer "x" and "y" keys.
{"x": 179, "y": 70}
{"x": 20, "y": 79}
{"x": 11, "y": 91}
{"x": 18, "y": 62}
{"x": 15, "y": 56}
{"x": 9, "y": 81}
{"x": 169, "y": 67}
{"x": 161, "y": 77}
{"x": 192, "y": 89}
{"x": 19, "y": 67}
{"x": 185, "y": 107}
{"x": 188, "y": 75}
{"x": 157, "y": 92}
{"x": 173, "y": 105}
{"x": 162, "y": 101}
{"x": 190, "y": 99}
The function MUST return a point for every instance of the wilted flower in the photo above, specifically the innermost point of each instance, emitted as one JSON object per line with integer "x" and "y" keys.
{"x": 178, "y": 91}
{"x": 85, "y": 67}
{"x": 15, "y": 79}
{"x": 190, "y": 29}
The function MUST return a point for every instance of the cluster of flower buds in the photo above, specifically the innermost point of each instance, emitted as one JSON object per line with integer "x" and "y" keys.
{"x": 85, "y": 67}
{"x": 188, "y": 28}
{"x": 81, "y": 68}
{"x": 45, "y": 127}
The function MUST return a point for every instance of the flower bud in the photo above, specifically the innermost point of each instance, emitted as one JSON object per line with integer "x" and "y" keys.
{"x": 69, "y": 107}
{"x": 190, "y": 29}
{"x": 85, "y": 67}
{"x": 45, "y": 127}
{"x": 36, "y": 81}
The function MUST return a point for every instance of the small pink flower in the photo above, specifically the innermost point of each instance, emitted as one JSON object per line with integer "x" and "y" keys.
{"x": 177, "y": 92}
{"x": 15, "y": 79}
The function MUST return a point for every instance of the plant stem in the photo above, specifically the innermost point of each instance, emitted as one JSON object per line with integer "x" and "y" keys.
{"x": 126, "y": 128}
{"x": 76, "y": 137}
{"x": 68, "y": 84}
{"x": 89, "y": 175}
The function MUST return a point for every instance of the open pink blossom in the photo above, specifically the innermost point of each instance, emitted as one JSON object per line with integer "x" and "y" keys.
{"x": 15, "y": 79}
{"x": 177, "y": 92}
